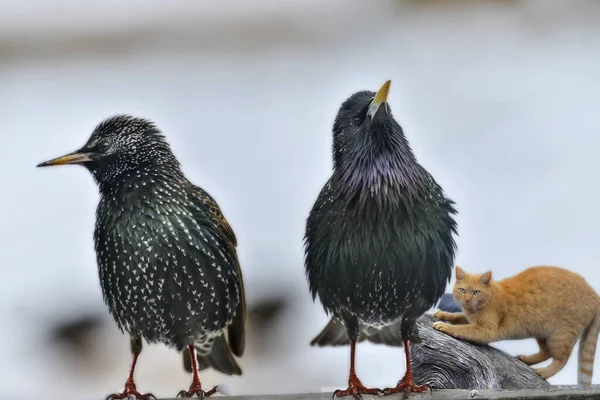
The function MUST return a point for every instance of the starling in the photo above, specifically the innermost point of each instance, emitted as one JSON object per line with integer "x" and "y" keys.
{"x": 166, "y": 254}
{"x": 379, "y": 245}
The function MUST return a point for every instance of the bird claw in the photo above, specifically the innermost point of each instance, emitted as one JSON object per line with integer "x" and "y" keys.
{"x": 130, "y": 391}
{"x": 356, "y": 393}
{"x": 356, "y": 389}
{"x": 407, "y": 386}
{"x": 196, "y": 390}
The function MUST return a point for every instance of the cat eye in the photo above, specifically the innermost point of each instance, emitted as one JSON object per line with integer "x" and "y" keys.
{"x": 476, "y": 292}
{"x": 462, "y": 290}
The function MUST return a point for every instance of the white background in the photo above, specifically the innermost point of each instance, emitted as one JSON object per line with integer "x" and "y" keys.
{"x": 500, "y": 101}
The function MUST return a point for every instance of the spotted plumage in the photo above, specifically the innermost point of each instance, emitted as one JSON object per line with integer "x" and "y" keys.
{"x": 379, "y": 244}
{"x": 166, "y": 255}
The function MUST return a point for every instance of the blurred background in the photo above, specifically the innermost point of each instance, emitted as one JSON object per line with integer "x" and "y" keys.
{"x": 499, "y": 100}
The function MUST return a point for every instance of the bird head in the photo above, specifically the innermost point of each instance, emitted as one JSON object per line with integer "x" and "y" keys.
{"x": 368, "y": 143}
{"x": 364, "y": 123}
{"x": 118, "y": 145}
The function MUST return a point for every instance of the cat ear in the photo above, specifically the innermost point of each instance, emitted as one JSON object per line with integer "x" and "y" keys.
{"x": 460, "y": 274}
{"x": 486, "y": 278}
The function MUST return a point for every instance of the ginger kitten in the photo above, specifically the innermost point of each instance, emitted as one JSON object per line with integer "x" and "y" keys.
{"x": 551, "y": 304}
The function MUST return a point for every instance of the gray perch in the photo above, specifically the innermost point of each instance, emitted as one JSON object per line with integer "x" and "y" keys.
{"x": 443, "y": 362}
{"x": 447, "y": 395}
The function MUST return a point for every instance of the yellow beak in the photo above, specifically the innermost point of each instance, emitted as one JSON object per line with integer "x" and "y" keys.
{"x": 380, "y": 98}
{"x": 72, "y": 158}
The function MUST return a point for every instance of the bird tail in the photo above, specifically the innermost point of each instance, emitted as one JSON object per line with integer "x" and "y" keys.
{"x": 587, "y": 352}
{"x": 391, "y": 335}
{"x": 334, "y": 334}
{"x": 220, "y": 358}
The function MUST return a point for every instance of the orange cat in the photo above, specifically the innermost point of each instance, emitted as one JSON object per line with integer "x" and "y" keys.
{"x": 553, "y": 305}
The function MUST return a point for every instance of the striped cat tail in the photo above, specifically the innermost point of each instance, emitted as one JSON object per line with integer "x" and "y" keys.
{"x": 587, "y": 352}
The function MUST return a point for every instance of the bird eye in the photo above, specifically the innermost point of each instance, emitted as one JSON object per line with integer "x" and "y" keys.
{"x": 476, "y": 292}
{"x": 103, "y": 147}
{"x": 462, "y": 290}
{"x": 356, "y": 121}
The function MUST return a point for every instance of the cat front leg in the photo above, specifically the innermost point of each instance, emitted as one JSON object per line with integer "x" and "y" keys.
{"x": 454, "y": 318}
{"x": 471, "y": 333}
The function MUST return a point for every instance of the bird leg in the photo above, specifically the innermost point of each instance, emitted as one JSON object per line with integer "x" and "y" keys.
{"x": 130, "y": 389}
{"x": 407, "y": 384}
{"x": 196, "y": 387}
{"x": 355, "y": 387}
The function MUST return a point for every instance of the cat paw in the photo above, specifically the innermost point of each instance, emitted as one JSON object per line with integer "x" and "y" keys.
{"x": 543, "y": 373}
{"x": 442, "y": 327}
{"x": 522, "y": 358}
{"x": 438, "y": 314}
{"x": 526, "y": 359}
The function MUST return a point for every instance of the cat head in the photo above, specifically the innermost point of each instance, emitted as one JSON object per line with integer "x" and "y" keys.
{"x": 472, "y": 291}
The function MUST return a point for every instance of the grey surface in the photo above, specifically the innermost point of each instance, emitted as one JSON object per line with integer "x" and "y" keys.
{"x": 445, "y": 362}
{"x": 530, "y": 394}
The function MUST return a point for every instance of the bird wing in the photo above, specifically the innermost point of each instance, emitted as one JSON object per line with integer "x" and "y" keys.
{"x": 314, "y": 246}
{"x": 236, "y": 331}
{"x": 215, "y": 215}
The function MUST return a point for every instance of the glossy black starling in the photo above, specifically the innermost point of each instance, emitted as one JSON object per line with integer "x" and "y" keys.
{"x": 166, "y": 254}
{"x": 379, "y": 245}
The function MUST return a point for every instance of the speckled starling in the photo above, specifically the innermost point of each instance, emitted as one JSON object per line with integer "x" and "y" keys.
{"x": 166, "y": 254}
{"x": 379, "y": 245}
